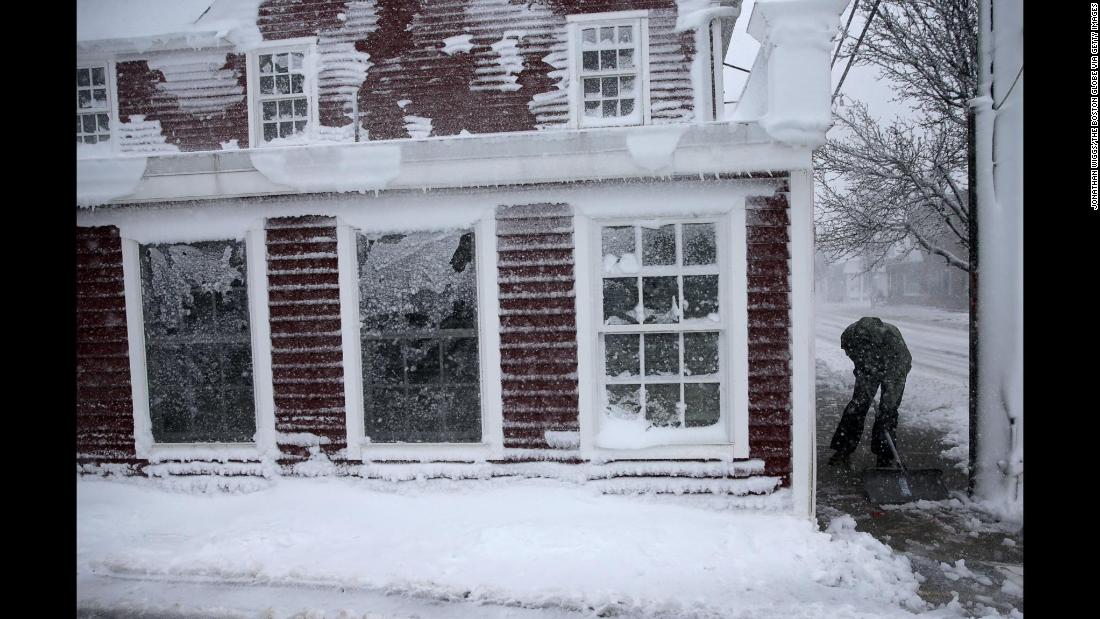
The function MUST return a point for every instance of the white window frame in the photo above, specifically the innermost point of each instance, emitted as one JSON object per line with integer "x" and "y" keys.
{"x": 107, "y": 63}
{"x": 733, "y": 357}
{"x": 306, "y": 45}
{"x": 492, "y": 433}
{"x": 263, "y": 446}
{"x": 575, "y": 23}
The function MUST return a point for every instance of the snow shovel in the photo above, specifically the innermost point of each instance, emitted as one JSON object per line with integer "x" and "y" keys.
{"x": 901, "y": 484}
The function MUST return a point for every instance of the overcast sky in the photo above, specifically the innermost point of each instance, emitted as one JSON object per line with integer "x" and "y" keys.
{"x": 862, "y": 83}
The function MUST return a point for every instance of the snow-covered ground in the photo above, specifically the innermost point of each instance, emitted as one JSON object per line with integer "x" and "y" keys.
{"x": 397, "y": 550}
{"x": 936, "y": 392}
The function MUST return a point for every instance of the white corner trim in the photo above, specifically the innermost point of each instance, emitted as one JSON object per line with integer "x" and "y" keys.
{"x": 803, "y": 412}
{"x": 135, "y": 341}
{"x": 351, "y": 346}
{"x": 488, "y": 302}
{"x": 584, "y": 306}
{"x": 260, "y": 323}
{"x": 739, "y": 329}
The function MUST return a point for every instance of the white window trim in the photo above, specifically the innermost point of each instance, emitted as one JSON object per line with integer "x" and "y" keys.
{"x": 733, "y": 292}
{"x": 108, "y": 62}
{"x": 640, "y": 19}
{"x": 263, "y": 446}
{"x": 492, "y": 424}
{"x": 308, "y": 45}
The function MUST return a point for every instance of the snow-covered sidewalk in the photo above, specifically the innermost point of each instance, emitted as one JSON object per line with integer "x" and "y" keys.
{"x": 520, "y": 543}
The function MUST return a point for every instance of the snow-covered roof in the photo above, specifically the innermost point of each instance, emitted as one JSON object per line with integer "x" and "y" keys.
{"x": 144, "y": 24}
{"x": 122, "y": 19}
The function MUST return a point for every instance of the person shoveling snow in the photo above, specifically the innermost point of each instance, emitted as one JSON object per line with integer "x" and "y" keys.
{"x": 881, "y": 359}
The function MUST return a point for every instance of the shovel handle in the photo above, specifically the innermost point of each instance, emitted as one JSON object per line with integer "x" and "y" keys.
{"x": 894, "y": 450}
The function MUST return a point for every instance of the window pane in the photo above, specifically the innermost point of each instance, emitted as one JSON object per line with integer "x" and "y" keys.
{"x": 607, "y": 59}
{"x": 662, "y": 354}
{"x": 78, "y": 124}
{"x": 299, "y": 126}
{"x": 659, "y": 245}
{"x": 90, "y": 139}
{"x": 296, "y": 60}
{"x": 701, "y": 296}
{"x": 421, "y": 288}
{"x": 620, "y": 300}
{"x": 661, "y": 404}
{"x": 627, "y": 106}
{"x": 84, "y": 99}
{"x": 383, "y": 362}
{"x": 661, "y": 299}
{"x": 89, "y": 123}
{"x": 103, "y": 121}
{"x": 296, "y": 83}
{"x": 286, "y": 129}
{"x": 626, "y": 85}
{"x": 282, "y": 84}
{"x": 266, "y": 65}
{"x": 271, "y": 131}
{"x": 702, "y": 404}
{"x": 607, "y": 35}
{"x": 699, "y": 244}
{"x": 591, "y": 87}
{"x": 609, "y": 109}
{"x": 590, "y": 61}
{"x": 267, "y": 85}
{"x": 625, "y": 34}
{"x": 422, "y": 363}
{"x": 286, "y": 108}
{"x": 700, "y": 354}
{"x": 98, "y": 78}
{"x": 588, "y": 36}
{"x": 83, "y": 77}
{"x": 282, "y": 65}
{"x": 460, "y": 360}
{"x": 626, "y": 59}
{"x": 198, "y": 343}
{"x": 610, "y": 86}
{"x": 269, "y": 108}
{"x": 621, "y": 355}
{"x": 618, "y": 250}
{"x": 301, "y": 110}
{"x": 592, "y": 109}
{"x": 623, "y": 402}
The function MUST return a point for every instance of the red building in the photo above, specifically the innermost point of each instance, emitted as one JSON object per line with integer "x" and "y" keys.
{"x": 458, "y": 238}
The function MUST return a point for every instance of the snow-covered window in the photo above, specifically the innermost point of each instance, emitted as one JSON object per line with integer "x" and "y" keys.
{"x": 93, "y": 105}
{"x": 418, "y": 329}
{"x": 662, "y": 326}
{"x": 608, "y": 64}
{"x": 283, "y": 101}
{"x": 198, "y": 352}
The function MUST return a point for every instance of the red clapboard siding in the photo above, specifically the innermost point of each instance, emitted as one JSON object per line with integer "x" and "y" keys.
{"x": 104, "y": 410}
{"x": 538, "y": 323}
{"x": 766, "y": 223}
{"x": 200, "y": 102}
{"x": 307, "y": 362}
{"x": 384, "y": 62}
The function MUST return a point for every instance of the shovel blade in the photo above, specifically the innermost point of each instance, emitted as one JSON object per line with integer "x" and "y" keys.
{"x": 893, "y": 486}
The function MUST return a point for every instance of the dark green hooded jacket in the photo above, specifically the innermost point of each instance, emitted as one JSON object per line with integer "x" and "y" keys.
{"x": 877, "y": 348}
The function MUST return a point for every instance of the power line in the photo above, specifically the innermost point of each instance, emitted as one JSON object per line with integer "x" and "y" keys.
{"x": 736, "y": 67}
{"x": 859, "y": 41}
{"x": 998, "y": 105}
{"x": 844, "y": 34}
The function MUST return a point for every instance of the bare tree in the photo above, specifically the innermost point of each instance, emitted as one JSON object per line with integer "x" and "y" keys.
{"x": 905, "y": 182}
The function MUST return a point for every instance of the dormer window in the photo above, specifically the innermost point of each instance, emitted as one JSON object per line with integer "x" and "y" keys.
{"x": 609, "y": 64}
{"x": 283, "y": 102}
{"x": 93, "y": 105}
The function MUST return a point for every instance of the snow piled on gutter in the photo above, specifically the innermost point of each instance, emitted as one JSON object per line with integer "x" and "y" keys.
{"x": 338, "y": 167}
{"x": 102, "y": 179}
